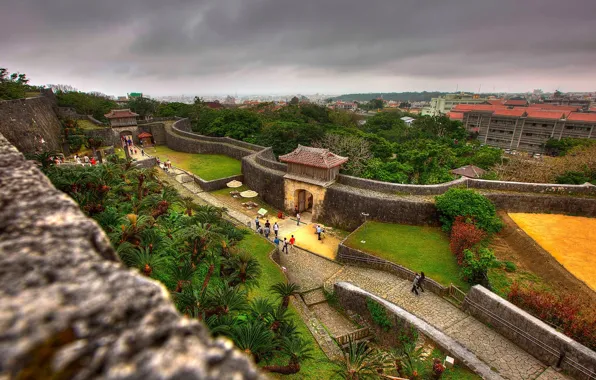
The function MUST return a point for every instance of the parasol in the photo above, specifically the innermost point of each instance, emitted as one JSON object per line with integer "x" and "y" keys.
{"x": 234, "y": 183}
{"x": 249, "y": 194}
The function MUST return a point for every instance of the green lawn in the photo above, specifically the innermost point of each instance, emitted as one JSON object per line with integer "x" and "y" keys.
{"x": 421, "y": 249}
{"x": 88, "y": 125}
{"x": 206, "y": 166}
{"x": 318, "y": 368}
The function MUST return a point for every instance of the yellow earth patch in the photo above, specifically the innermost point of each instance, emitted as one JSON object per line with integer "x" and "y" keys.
{"x": 571, "y": 240}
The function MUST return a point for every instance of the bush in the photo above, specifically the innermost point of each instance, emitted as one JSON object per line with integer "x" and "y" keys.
{"x": 476, "y": 265}
{"x": 378, "y": 314}
{"x": 566, "y": 313}
{"x": 509, "y": 266}
{"x": 469, "y": 204}
{"x": 464, "y": 236}
{"x": 573, "y": 178}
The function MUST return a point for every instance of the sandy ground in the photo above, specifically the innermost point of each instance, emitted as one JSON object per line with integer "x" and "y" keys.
{"x": 570, "y": 240}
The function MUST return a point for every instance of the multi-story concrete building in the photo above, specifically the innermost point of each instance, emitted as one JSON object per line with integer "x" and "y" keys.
{"x": 442, "y": 105}
{"x": 526, "y": 128}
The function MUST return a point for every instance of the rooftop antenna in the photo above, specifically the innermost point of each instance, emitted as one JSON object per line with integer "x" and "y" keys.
{"x": 479, "y": 88}
{"x": 456, "y": 88}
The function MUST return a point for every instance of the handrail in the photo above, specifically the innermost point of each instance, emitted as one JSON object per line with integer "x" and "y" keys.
{"x": 551, "y": 350}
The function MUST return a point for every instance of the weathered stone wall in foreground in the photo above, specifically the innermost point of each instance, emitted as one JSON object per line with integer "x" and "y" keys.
{"x": 536, "y": 337}
{"x": 70, "y": 309}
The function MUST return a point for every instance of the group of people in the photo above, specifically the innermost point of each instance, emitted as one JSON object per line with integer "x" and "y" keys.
{"x": 85, "y": 160}
{"x": 266, "y": 229}
{"x": 166, "y": 166}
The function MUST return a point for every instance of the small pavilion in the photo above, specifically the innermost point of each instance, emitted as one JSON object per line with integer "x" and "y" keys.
{"x": 146, "y": 139}
{"x": 469, "y": 171}
{"x": 310, "y": 172}
{"x": 122, "y": 118}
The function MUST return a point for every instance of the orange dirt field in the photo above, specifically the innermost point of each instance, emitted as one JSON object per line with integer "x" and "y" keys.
{"x": 571, "y": 240}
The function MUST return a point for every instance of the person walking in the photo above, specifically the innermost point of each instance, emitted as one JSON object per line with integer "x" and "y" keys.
{"x": 142, "y": 152}
{"x": 298, "y": 219}
{"x": 421, "y": 281}
{"x": 415, "y": 284}
{"x": 292, "y": 241}
{"x": 276, "y": 229}
{"x": 319, "y": 230}
{"x": 285, "y": 246}
{"x": 267, "y": 231}
{"x": 276, "y": 242}
{"x": 257, "y": 222}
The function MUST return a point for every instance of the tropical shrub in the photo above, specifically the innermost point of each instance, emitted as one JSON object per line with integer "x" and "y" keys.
{"x": 565, "y": 313}
{"x": 378, "y": 314}
{"x": 476, "y": 265}
{"x": 469, "y": 204}
{"x": 464, "y": 236}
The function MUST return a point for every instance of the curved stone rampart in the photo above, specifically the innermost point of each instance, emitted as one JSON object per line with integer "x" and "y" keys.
{"x": 70, "y": 309}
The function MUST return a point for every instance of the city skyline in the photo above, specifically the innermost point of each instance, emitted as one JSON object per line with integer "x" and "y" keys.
{"x": 269, "y": 47}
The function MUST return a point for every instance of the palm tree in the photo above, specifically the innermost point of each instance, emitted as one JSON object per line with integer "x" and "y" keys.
{"x": 297, "y": 350}
{"x": 254, "y": 338}
{"x": 189, "y": 302}
{"x": 244, "y": 269}
{"x": 188, "y": 204}
{"x": 221, "y": 324}
{"x": 261, "y": 310}
{"x": 360, "y": 362}
{"x": 211, "y": 258}
{"x": 142, "y": 259}
{"x": 278, "y": 316}
{"x": 285, "y": 290}
{"x": 179, "y": 275}
{"x": 225, "y": 300}
{"x": 413, "y": 363}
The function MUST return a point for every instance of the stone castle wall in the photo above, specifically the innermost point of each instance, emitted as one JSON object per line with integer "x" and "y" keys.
{"x": 537, "y": 338}
{"x": 70, "y": 309}
{"x": 25, "y": 121}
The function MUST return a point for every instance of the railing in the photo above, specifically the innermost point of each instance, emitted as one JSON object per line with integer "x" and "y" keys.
{"x": 354, "y": 336}
{"x": 457, "y": 294}
{"x": 554, "y": 351}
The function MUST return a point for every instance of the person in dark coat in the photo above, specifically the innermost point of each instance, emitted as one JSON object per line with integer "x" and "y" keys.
{"x": 415, "y": 284}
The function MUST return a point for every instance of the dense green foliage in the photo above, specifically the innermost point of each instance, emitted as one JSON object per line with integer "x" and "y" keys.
{"x": 397, "y": 96}
{"x": 194, "y": 252}
{"x": 378, "y": 314}
{"x": 476, "y": 265}
{"x": 14, "y": 85}
{"x": 94, "y": 104}
{"x": 561, "y": 147}
{"x": 469, "y": 204}
{"x": 384, "y": 148}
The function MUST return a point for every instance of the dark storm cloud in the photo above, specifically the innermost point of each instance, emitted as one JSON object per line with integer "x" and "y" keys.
{"x": 160, "y": 39}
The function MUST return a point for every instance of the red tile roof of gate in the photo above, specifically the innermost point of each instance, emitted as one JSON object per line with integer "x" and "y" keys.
{"x": 579, "y": 116}
{"x": 144, "y": 135}
{"x": 315, "y": 157}
{"x": 121, "y": 113}
{"x": 516, "y": 102}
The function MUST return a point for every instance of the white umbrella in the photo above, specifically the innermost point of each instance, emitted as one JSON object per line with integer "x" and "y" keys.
{"x": 249, "y": 194}
{"x": 234, "y": 183}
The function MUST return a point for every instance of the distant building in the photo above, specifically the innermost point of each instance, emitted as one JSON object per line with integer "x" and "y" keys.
{"x": 526, "y": 128}
{"x": 469, "y": 171}
{"x": 122, "y": 118}
{"x": 348, "y": 106}
{"x": 407, "y": 119}
{"x": 214, "y": 105}
{"x": 442, "y": 105}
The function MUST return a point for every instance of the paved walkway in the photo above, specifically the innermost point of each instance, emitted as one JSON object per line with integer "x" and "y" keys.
{"x": 311, "y": 272}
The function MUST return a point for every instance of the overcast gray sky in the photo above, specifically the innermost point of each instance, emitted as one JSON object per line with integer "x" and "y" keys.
{"x": 171, "y": 47}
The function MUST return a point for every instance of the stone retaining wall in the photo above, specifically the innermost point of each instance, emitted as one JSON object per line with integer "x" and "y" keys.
{"x": 344, "y": 205}
{"x": 398, "y": 188}
{"x": 537, "y": 338}
{"x": 70, "y": 309}
{"x": 269, "y": 183}
{"x": 535, "y": 203}
{"x": 216, "y": 184}
{"x": 353, "y": 256}
{"x": 354, "y": 299}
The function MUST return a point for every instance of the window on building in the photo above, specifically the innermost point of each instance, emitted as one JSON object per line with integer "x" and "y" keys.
{"x": 528, "y": 134}
{"x": 544, "y": 125}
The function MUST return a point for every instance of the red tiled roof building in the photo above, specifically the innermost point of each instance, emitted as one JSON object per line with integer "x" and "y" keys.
{"x": 315, "y": 163}
{"x": 122, "y": 118}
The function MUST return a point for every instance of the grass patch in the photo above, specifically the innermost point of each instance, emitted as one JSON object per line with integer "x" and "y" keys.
{"x": 318, "y": 368}
{"x": 423, "y": 249}
{"x": 88, "y": 125}
{"x": 206, "y": 166}
{"x": 501, "y": 280}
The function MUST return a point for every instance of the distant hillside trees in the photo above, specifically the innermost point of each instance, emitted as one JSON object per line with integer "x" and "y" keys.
{"x": 95, "y": 104}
